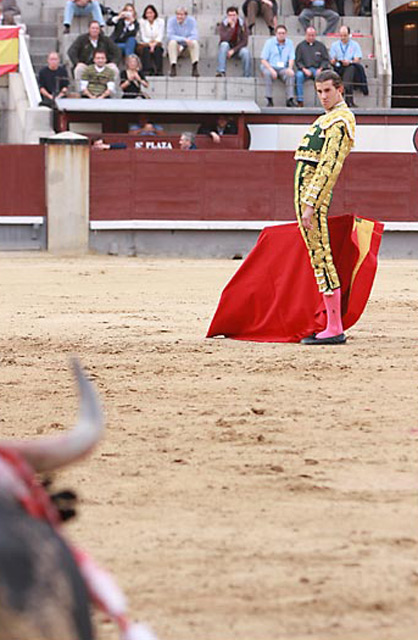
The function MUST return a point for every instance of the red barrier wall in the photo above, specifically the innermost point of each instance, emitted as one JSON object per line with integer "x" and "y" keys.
{"x": 22, "y": 180}
{"x": 210, "y": 185}
{"x": 241, "y": 185}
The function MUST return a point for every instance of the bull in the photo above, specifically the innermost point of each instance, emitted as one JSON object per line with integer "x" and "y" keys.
{"x": 46, "y": 585}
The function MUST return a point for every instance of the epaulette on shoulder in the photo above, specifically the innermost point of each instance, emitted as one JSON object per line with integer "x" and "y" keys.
{"x": 340, "y": 114}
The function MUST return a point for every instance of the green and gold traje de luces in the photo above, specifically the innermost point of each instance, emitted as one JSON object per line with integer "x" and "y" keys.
{"x": 311, "y": 144}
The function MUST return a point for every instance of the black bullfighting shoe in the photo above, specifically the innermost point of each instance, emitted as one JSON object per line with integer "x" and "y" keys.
{"x": 340, "y": 339}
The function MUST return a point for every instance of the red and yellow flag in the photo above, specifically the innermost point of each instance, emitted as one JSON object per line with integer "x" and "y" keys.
{"x": 9, "y": 49}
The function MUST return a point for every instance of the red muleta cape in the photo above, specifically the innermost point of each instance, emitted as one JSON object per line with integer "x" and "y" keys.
{"x": 273, "y": 296}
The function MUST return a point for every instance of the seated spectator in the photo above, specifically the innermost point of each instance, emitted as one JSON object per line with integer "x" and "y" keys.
{"x": 82, "y": 8}
{"x": 100, "y": 145}
{"x": 277, "y": 62}
{"x": 187, "y": 141}
{"x": 340, "y": 7}
{"x": 9, "y": 12}
{"x": 345, "y": 54}
{"x": 182, "y": 35}
{"x": 266, "y": 8}
{"x": 296, "y": 7}
{"x": 222, "y": 127}
{"x": 132, "y": 79}
{"x": 97, "y": 80}
{"x": 311, "y": 58}
{"x": 322, "y": 9}
{"x": 126, "y": 28}
{"x": 53, "y": 80}
{"x": 363, "y": 8}
{"x": 233, "y": 34}
{"x": 151, "y": 36}
{"x": 146, "y": 128}
{"x": 82, "y": 51}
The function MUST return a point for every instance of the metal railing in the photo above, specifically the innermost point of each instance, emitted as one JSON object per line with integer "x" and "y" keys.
{"x": 27, "y": 72}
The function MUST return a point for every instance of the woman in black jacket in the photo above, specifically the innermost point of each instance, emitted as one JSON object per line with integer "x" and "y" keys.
{"x": 126, "y": 28}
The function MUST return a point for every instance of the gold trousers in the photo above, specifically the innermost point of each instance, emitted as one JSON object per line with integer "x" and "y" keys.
{"x": 317, "y": 238}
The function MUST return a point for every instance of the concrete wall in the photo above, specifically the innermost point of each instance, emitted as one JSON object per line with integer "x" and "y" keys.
{"x": 218, "y": 244}
{"x": 23, "y": 125}
{"x": 394, "y": 4}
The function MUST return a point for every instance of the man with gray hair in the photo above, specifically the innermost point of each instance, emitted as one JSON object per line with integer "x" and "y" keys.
{"x": 182, "y": 35}
{"x": 187, "y": 141}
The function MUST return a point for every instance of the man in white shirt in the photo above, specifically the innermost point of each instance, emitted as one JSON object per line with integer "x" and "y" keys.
{"x": 151, "y": 36}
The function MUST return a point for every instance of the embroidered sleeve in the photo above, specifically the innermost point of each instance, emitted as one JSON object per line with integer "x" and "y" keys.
{"x": 336, "y": 148}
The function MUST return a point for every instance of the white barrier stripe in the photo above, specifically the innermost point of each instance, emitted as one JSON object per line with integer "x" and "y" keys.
{"x": 401, "y": 226}
{"x": 213, "y": 225}
{"x": 187, "y": 225}
{"x": 22, "y": 219}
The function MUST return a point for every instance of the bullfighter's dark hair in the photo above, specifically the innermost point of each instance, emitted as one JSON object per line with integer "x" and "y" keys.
{"x": 328, "y": 74}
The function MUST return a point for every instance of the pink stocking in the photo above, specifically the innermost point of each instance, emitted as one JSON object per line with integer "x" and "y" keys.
{"x": 333, "y": 307}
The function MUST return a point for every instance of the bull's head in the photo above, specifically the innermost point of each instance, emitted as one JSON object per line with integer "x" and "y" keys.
{"x": 47, "y": 454}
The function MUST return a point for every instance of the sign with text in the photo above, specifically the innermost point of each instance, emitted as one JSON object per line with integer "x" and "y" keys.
{"x": 153, "y": 144}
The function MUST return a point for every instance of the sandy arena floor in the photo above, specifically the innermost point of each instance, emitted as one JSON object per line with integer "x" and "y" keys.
{"x": 243, "y": 491}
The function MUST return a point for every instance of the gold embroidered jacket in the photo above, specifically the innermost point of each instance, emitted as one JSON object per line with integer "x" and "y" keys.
{"x": 326, "y": 144}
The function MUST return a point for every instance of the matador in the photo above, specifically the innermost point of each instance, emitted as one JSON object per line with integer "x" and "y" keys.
{"x": 320, "y": 158}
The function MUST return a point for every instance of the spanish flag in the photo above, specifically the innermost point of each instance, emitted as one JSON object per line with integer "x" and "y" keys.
{"x": 273, "y": 297}
{"x": 9, "y": 49}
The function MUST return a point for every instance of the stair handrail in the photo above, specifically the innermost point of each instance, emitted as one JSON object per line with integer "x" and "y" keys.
{"x": 26, "y": 70}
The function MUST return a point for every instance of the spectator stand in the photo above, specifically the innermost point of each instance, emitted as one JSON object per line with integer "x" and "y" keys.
{"x": 234, "y": 86}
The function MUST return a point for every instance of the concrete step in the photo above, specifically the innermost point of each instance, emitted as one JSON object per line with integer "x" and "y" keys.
{"x": 212, "y": 11}
{"x": 43, "y": 45}
{"x": 209, "y": 44}
{"x": 257, "y": 43}
{"x": 38, "y": 61}
{"x": 42, "y": 30}
{"x": 47, "y": 9}
{"x": 241, "y": 89}
{"x": 208, "y": 66}
{"x": 208, "y": 24}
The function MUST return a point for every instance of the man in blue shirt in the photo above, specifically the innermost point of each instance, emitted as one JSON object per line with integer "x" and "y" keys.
{"x": 182, "y": 34}
{"x": 277, "y": 61}
{"x": 344, "y": 54}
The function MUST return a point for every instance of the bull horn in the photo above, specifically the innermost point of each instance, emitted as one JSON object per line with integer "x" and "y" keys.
{"x": 50, "y": 453}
